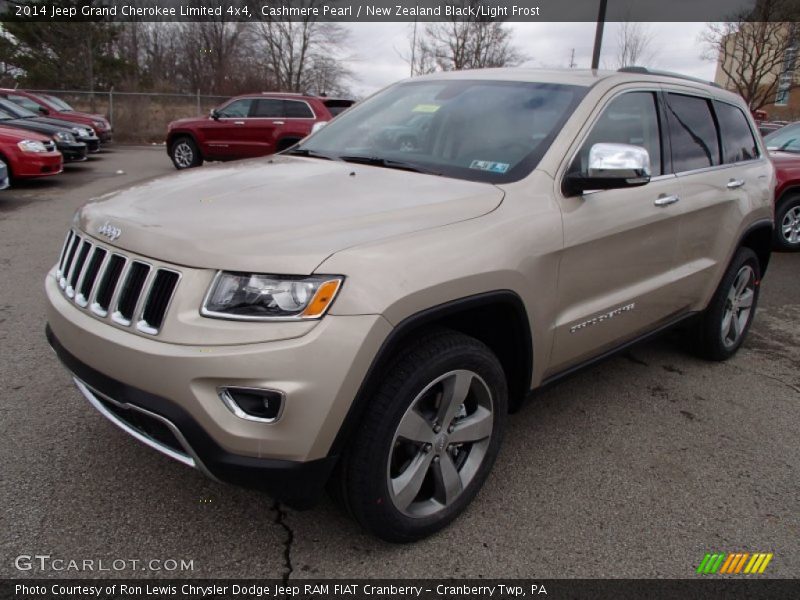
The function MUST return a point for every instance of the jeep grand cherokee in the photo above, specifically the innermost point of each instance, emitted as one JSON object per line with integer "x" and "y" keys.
{"x": 364, "y": 314}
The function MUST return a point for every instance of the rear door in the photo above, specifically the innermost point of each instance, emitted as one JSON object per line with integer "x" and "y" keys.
{"x": 616, "y": 269}
{"x": 716, "y": 158}
{"x": 299, "y": 118}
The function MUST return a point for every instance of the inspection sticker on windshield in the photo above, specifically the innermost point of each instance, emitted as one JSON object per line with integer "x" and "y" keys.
{"x": 426, "y": 108}
{"x": 488, "y": 165}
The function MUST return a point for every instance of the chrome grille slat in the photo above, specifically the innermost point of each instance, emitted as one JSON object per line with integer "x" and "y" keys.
{"x": 97, "y": 278}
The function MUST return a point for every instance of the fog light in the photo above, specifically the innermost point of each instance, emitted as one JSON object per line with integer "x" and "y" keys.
{"x": 253, "y": 404}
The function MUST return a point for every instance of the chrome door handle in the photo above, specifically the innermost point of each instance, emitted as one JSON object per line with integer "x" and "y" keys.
{"x": 666, "y": 200}
{"x": 238, "y": 122}
{"x": 735, "y": 183}
{"x": 278, "y": 122}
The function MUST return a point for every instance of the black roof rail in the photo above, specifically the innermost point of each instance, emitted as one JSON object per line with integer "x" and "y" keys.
{"x": 646, "y": 71}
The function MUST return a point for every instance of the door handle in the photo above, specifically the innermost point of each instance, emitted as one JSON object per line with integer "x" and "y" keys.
{"x": 666, "y": 200}
{"x": 238, "y": 122}
{"x": 278, "y": 122}
{"x": 735, "y": 183}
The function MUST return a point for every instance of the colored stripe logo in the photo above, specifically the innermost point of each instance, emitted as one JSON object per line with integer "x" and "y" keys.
{"x": 734, "y": 563}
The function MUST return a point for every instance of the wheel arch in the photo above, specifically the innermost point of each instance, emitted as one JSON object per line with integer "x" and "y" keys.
{"x": 286, "y": 142}
{"x": 498, "y": 319}
{"x": 788, "y": 192}
{"x": 174, "y": 135}
{"x": 758, "y": 237}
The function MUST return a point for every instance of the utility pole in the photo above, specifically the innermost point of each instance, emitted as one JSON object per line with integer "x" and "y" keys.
{"x": 572, "y": 64}
{"x": 414, "y": 47}
{"x": 598, "y": 34}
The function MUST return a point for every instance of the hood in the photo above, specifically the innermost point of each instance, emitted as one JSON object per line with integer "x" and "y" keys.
{"x": 69, "y": 125}
{"x": 186, "y": 121}
{"x": 282, "y": 215}
{"x": 35, "y": 125}
{"x": 11, "y": 134}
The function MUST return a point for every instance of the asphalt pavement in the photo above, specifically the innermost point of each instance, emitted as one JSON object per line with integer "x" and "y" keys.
{"x": 634, "y": 468}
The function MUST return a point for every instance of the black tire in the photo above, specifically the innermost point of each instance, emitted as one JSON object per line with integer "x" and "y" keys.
{"x": 787, "y": 214}
{"x": 184, "y": 153}
{"x": 365, "y": 472}
{"x": 710, "y": 341}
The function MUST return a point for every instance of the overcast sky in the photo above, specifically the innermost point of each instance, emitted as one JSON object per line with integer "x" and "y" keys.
{"x": 675, "y": 46}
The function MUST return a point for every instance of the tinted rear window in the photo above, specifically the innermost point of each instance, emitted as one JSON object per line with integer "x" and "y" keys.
{"x": 693, "y": 133}
{"x": 738, "y": 143}
{"x": 267, "y": 108}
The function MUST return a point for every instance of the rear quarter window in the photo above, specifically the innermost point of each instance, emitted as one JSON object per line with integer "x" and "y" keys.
{"x": 738, "y": 141}
{"x": 294, "y": 109}
{"x": 693, "y": 133}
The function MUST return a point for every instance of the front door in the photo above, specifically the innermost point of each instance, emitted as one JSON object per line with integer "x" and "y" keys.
{"x": 616, "y": 270}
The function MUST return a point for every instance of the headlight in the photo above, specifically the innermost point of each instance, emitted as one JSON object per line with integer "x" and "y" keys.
{"x": 250, "y": 296}
{"x": 98, "y": 124}
{"x": 64, "y": 136}
{"x": 31, "y": 146}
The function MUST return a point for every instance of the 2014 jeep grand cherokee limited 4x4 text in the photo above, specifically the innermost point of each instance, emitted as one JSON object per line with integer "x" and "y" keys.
{"x": 364, "y": 314}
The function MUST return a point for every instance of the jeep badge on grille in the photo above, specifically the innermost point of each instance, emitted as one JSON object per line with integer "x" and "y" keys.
{"x": 109, "y": 231}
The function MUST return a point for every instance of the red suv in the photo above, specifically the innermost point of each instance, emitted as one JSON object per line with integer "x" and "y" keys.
{"x": 784, "y": 147}
{"x": 249, "y": 125}
{"x": 50, "y": 106}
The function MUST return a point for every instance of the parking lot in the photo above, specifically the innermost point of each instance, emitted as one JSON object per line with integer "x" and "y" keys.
{"x": 634, "y": 468}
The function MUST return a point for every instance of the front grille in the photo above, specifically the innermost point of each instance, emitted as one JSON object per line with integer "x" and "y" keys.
{"x": 108, "y": 282}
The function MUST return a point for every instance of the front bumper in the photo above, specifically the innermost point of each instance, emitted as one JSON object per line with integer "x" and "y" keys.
{"x": 38, "y": 165}
{"x": 320, "y": 374}
{"x": 105, "y": 136}
{"x": 92, "y": 143}
{"x": 72, "y": 151}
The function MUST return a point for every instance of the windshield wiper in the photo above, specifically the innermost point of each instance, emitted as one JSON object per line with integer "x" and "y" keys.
{"x": 309, "y": 153}
{"x": 388, "y": 163}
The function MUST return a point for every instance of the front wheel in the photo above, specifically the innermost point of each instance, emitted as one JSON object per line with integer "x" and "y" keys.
{"x": 185, "y": 153}
{"x": 725, "y": 323}
{"x": 429, "y": 439}
{"x": 787, "y": 224}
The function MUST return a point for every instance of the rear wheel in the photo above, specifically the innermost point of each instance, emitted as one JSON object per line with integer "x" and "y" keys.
{"x": 185, "y": 153}
{"x": 429, "y": 440}
{"x": 787, "y": 224}
{"x": 725, "y": 323}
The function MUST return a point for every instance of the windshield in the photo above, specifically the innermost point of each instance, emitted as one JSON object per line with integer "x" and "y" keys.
{"x": 786, "y": 139}
{"x": 492, "y": 131}
{"x": 4, "y": 116}
{"x": 16, "y": 110}
{"x": 57, "y": 102}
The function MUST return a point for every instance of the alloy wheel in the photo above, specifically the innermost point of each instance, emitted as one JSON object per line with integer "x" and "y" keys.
{"x": 790, "y": 226}
{"x": 440, "y": 443}
{"x": 183, "y": 154}
{"x": 738, "y": 306}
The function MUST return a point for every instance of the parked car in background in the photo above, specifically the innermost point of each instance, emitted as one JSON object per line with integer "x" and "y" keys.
{"x": 784, "y": 149}
{"x": 51, "y": 106}
{"x": 82, "y": 133}
{"x": 63, "y": 137}
{"x": 4, "y": 179}
{"x": 767, "y": 127}
{"x": 29, "y": 154}
{"x": 247, "y": 126}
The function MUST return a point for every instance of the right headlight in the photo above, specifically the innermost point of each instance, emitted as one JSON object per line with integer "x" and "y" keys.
{"x": 64, "y": 136}
{"x": 259, "y": 297}
{"x": 31, "y": 146}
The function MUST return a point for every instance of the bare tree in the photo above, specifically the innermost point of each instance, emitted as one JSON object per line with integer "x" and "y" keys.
{"x": 305, "y": 54}
{"x": 478, "y": 42}
{"x": 756, "y": 53}
{"x": 634, "y": 45}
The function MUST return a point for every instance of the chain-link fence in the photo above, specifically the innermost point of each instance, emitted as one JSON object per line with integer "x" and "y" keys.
{"x": 138, "y": 117}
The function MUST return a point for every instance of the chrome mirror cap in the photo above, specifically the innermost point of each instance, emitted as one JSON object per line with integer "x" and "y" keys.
{"x": 618, "y": 161}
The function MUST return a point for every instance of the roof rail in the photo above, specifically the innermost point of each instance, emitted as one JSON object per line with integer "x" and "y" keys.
{"x": 285, "y": 93}
{"x": 646, "y": 71}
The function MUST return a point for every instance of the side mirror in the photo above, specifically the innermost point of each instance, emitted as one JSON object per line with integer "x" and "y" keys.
{"x": 44, "y": 110}
{"x": 214, "y": 114}
{"x": 611, "y": 166}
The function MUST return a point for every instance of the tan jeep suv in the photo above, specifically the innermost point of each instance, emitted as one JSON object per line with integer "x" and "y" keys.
{"x": 363, "y": 310}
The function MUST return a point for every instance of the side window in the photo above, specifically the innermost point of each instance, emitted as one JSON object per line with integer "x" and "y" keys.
{"x": 268, "y": 108}
{"x": 693, "y": 134}
{"x": 738, "y": 143}
{"x": 24, "y": 102}
{"x": 297, "y": 110}
{"x": 237, "y": 109}
{"x": 630, "y": 119}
